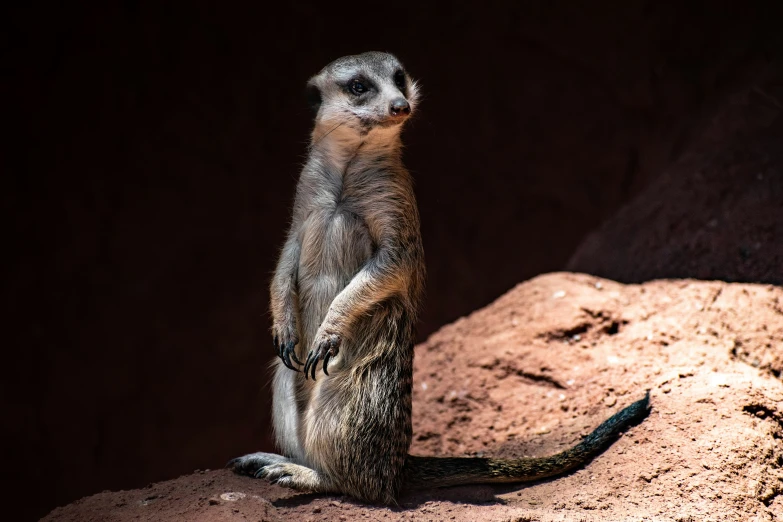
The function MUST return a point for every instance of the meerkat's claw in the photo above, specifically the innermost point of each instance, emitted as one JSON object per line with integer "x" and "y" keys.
{"x": 325, "y": 350}
{"x": 294, "y": 357}
{"x": 288, "y": 354}
{"x": 287, "y": 361}
{"x": 285, "y": 350}
{"x": 310, "y": 364}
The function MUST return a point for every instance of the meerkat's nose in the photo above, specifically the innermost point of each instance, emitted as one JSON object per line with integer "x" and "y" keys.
{"x": 399, "y": 107}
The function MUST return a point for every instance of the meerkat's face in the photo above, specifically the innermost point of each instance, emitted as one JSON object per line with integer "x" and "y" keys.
{"x": 363, "y": 92}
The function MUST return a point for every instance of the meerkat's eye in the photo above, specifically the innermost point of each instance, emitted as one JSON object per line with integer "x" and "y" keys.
{"x": 357, "y": 87}
{"x": 399, "y": 80}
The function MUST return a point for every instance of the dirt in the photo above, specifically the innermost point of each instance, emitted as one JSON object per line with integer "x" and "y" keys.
{"x": 535, "y": 371}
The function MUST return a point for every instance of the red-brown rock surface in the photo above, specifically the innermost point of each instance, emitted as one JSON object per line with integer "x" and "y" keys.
{"x": 533, "y": 372}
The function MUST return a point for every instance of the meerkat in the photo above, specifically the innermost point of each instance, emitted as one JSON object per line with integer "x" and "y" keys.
{"x": 345, "y": 298}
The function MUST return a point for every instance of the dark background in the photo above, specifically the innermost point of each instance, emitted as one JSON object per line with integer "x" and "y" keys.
{"x": 151, "y": 156}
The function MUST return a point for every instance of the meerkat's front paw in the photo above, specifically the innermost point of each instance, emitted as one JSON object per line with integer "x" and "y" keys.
{"x": 285, "y": 339}
{"x": 326, "y": 345}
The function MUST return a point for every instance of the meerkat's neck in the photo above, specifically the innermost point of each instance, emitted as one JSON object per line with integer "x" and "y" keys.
{"x": 340, "y": 145}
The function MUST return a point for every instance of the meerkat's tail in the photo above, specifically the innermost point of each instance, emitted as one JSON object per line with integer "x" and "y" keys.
{"x": 432, "y": 472}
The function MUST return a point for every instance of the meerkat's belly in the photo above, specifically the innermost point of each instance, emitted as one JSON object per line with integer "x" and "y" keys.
{"x": 335, "y": 246}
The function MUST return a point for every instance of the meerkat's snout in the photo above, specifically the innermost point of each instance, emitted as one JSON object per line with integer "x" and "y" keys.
{"x": 399, "y": 108}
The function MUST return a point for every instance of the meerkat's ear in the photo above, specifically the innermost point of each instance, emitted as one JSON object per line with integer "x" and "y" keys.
{"x": 314, "y": 97}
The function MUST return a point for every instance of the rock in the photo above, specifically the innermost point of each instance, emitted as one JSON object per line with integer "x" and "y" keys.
{"x": 711, "y": 446}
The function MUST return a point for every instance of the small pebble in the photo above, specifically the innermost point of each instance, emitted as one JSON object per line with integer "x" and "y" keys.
{"x": 232, "y": 496}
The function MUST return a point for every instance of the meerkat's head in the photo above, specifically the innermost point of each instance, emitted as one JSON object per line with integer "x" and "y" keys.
{"x": 362, "y": 93}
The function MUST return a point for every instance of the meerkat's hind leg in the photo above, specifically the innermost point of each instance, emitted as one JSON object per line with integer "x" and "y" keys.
{"x": 295, "y": 476}
{"x": 279, "y": 470}
{"x": 250, "y": 464}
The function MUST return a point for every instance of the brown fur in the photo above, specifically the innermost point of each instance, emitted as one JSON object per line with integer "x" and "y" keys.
{"x": 345, "y": 299}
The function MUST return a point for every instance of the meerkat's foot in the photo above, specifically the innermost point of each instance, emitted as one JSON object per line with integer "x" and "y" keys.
{"x": 293, "y": 476}
{"x": 279, "y": 470}
{"x": 326, "y": 346}
{"x": 251, "y": 463}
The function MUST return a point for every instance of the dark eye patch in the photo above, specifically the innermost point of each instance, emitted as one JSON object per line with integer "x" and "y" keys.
{"x": 358, "y": 86}
{"x": 314, "y": 98}
{"x": 399, "y": 80}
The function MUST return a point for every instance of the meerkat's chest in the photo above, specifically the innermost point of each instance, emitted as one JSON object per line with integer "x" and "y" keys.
{"x": 335, "y": 241}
